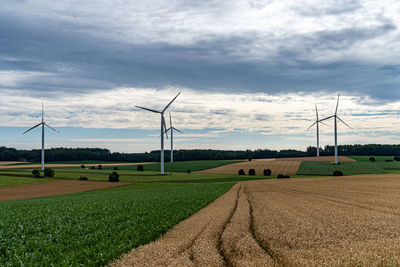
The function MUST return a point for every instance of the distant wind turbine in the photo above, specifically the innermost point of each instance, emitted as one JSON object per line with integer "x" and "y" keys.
{"x": 336, "y": 117}
{"x": 42, "y": 124}
{"x": 317, "y": 122}
{"x": 172, "y": 129}
{"x": 163, "y": 128}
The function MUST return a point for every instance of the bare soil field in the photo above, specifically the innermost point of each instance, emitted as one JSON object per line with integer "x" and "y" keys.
{"x": 347, "y": 221}
{"x": 321, "y": 158}
{"x": 33, "y": 166}
{"x": 58, "y": 187}
{"x": 276, "y": 166}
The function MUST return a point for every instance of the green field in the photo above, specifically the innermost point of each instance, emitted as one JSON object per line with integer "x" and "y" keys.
{"x": 90, "y": 229}
{"x": 6, "y": 180}
{"x": 366, "y": 158}
{"x": 348, "y": 168}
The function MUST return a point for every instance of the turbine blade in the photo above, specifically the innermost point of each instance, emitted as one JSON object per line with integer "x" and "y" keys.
{"x": 51, "y": 128}
{"x": 311, "y": 126}
{"x": 165, "y": 126}
{"x": 316, "y": 111}
{"x": 171, "y": 102}
{"x": 344, "y": 122}
{"x": 170, "y": 119}
{"x": 337, "y": 104}
{"x": 327, "y": 118}
{"x": 32, "y": 128}
{"x": 42, "y": 112}
{"x": 323, "y": 123}
{"x": 152, "y": 110}
{"x": 177, "y": 130}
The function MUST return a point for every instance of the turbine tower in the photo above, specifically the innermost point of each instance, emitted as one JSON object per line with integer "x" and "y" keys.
{"x": 172, "y": 129}
{"x": 336, "y": 117}
{"x": 163, "y": 128}
{"x": 43, "y": 123}
{"x": 317, "y": 122}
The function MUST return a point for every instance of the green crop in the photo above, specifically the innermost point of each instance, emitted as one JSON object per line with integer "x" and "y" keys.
{"x": 348, "y": 168}
{"x": 91, "y": 229}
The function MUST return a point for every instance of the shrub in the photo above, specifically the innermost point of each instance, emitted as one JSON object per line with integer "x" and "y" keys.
{"x": 388, "y": 160}
{"x": 49, "y": 172}
{"x": 281, "y": 176}
{"x": 83, "y": 178}
{"x": 83, "y": 166}
{"x": 93, "y": 167}
{"x": 188, "y": 171}
{"x": 36, "y": 173}
{"x": 113, "y": 177}
{"x": 396, "y": 158}
{"x": 100, "y": 167}
{"x": 372, "y": 159}
{"x": 115, "y": 168}
{"x": 140, "y": 168}
{"x": 267, "y": 172}
{"x": 250, "y": 159}
{"x": 337, "y": 173}
{"x": 241, "y": 172}
{"x": 252, "y": 172}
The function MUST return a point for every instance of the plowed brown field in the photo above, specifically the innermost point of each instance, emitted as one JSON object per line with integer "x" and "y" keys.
{"x": 348, "y": 221}
{"x": 53, "y": 188}
{"x": 277, "y": 166}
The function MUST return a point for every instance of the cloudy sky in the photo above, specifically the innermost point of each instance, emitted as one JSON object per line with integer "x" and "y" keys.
{"x": 250, "y": 72}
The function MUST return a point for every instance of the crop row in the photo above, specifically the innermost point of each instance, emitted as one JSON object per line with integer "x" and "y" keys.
{"x": 348, "y": 168}
{"x": 93, "y": 228}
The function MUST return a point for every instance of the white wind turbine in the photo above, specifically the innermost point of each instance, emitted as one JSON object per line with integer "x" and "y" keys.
{"x": 317, "y": 122}
{"x": 42, "y": 124}
{"x": 172, "y": 129}
{"x": 163, "y": 128}
{"x": 336, "y": 117}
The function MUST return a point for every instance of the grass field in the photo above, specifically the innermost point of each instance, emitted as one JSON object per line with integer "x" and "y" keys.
{"x": 93, "y": 228}
{"x": 6, "y": 180}
{"x": 348, "y": 168}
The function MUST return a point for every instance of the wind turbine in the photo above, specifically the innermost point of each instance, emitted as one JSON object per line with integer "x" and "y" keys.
{"x": 42, "y": 124}
{"x": 317, "y": 122}
{"x": 163, "y": 128}
{"x": 336, "y": 117}
{"x": 172, "y": 129}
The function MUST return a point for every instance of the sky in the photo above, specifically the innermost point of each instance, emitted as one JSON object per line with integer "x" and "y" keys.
{"x": 250, "y": 72}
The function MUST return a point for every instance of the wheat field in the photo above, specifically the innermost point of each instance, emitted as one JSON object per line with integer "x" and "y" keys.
{"x": 345, "y": 221}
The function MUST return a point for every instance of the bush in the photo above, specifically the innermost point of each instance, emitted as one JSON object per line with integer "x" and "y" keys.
{"x": 140, "y": 168}
{"x": 36, "y": 173}
{"x": 267, "y": 172}
{"x": 93, "y": 167}
{"x": 337, "y": 173}
{"x": 49, "y": 172}
{"x": 388, "y": 160}
{"x": 241, "y": 172}
{"x": 113, "y": 177}
{"x": 372, "y": 159}
{"x": 100, "y": 167}
{"x": 83, "y": 166}
{"x": 252, "y": 172}
{"x": 282, "y": 176}
{"x": 396, "y": 158}
{"x": 188, "y": 171}
{"x": 83, "y": 178}
{"x": 115, "y": 168}
{"x": 250, "y": 159}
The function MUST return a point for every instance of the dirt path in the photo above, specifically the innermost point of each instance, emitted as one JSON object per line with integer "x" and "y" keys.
{"x": 348, "y": 221}
{"x": 58, "y": 187}
{"x": 32, "y": 166}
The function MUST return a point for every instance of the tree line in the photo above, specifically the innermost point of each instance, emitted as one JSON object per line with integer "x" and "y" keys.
{"x": 101, "y": 154}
